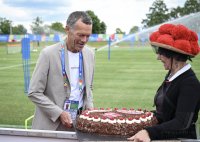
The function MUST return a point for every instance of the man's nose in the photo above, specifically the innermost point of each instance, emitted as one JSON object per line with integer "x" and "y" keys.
{"x": 84, "y": 38}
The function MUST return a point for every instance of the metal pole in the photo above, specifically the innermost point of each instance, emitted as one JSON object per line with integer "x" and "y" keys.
{"x": 10, "y": 28}
{"x": 109, "y": 43}
{"x": 26, "y": 57}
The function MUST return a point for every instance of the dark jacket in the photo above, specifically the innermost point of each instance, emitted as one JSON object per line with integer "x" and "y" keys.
{"x": 180, "y": 107}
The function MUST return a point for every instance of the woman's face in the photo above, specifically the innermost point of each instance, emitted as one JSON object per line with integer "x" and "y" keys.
{"x": 166, "y": 61}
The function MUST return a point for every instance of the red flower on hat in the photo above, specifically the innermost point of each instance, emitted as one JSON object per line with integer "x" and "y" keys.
{"x": 181, "y": 32}
{"x": 154, "y": 36}
{"x": 194, "y": 47}
{"x": 183, "y": 45}
{"x": 193, "y": 36}
{"x": 166, "y": 39}
{"x": 166, "y": 28}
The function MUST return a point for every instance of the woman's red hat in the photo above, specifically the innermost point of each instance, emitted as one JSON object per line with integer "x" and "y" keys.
{"x": 177, "y": 38}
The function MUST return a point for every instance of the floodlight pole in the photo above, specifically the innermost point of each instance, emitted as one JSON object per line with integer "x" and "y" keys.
{"x": 10, "y": 29}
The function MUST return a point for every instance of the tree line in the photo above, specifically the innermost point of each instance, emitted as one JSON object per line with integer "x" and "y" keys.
{"x": 158, "y": 13}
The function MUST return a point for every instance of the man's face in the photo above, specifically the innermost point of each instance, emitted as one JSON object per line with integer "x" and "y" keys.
{"x": 78, "y": 36}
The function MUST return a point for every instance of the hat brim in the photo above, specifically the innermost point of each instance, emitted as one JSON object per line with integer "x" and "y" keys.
{"x": 170, "y": 48}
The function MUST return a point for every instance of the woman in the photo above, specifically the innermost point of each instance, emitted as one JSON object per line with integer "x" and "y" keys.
{"x": 177, "y": 100}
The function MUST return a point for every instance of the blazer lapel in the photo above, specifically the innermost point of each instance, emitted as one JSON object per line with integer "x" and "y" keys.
{"x": 86, "y": 68}
{"x": 66, "y": 61}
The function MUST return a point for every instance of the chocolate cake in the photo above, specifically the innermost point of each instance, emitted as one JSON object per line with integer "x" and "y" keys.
{"x": 114, "y": 121}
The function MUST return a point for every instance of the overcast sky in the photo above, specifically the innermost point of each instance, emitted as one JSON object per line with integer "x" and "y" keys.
{"x": 122, "y": 14}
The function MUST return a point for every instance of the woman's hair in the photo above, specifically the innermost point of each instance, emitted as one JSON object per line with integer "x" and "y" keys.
{"x": 172, "y": 54}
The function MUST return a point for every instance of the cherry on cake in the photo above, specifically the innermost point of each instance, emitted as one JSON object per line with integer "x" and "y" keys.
{"x": 125, "y": 122}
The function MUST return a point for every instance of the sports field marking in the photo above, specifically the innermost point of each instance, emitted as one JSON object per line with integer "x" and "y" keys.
{"x": 13, "y": 126}
{"x": 14, "y": 66}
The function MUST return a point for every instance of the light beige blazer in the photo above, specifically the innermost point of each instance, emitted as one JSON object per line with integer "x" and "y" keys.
{"x": 46, "y": 88}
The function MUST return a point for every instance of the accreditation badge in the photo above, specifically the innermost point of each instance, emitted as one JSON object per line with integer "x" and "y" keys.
{"x": 71, "y": 107}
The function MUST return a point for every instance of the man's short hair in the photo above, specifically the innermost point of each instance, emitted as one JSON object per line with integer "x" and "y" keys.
{"x": 75, "y": 16}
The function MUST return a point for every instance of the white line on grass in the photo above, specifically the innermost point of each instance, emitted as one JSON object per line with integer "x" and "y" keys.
{"x": 13, "y": 126}
{"x": 13, "y": 66}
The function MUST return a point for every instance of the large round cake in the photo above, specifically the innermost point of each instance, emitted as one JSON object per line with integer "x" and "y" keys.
{"x": 125, "y": 122}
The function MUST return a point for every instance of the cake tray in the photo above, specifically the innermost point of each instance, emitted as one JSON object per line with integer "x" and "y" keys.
{"x": 98, "y": 137}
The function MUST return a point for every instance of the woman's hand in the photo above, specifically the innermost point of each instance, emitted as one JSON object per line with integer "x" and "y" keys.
{"x": 141, "y": 136}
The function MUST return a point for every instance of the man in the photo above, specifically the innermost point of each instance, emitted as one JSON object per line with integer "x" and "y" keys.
{"x": 62, "y": 81}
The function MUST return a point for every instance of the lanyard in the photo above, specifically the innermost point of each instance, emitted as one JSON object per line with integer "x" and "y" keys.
{"x": 80, "y": 71}
{"x": 80, "y": 68}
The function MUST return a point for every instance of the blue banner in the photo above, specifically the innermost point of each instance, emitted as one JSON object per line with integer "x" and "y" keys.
{"x": 93, "y": 37}
{"x": 56, "y": 38}
{"x": 4, "y": 38}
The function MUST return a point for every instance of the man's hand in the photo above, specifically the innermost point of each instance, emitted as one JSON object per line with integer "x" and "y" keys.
{"x": 66, "y": 120}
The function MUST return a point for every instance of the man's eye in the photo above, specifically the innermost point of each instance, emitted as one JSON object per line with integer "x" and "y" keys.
{"x": 81, "y": 35}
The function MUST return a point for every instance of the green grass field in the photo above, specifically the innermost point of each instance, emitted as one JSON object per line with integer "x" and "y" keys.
{"x": 129, "y": 79}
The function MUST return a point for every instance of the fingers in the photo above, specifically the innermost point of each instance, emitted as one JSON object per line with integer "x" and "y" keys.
{"x": 68, "y": 125}
{"x": 141, "y": 136}
{"x": 131, "y": 138}
{"x": 66, "y": 120}
{"x": 69, "y": 117}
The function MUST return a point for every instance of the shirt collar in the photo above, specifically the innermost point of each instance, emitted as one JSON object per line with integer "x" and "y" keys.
{"x": 181, "y": 71}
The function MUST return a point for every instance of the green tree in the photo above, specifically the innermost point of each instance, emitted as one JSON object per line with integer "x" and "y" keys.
{"x": 19, "y": 29}
{"x": 158, "y": 14}
{"x": 119, "y": 31}
{"x": 98, "y": 27}
{"x": 102, "y": 28}
{"x": 37, "y": 27}
{"x": 5, "y": 26}
{"x": 134, "y": 29}
{"x": 57, "y": 27}
{"x": 47, "y": 29}
{"x": 176, "y": 12}
{"x": 191, "y": 6}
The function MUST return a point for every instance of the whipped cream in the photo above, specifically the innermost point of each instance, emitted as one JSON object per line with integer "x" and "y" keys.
{"x": 121, "y": 121}
{"x": 150, "y": 116}
{"x": 136, "y": 120}
{"x": 129, "y": 121}
{"x": 143, "y": 119}
{"x": 83, "y": 116}
{"x": 89, "y": 118}
{"x": 96, "y": 119}
{"x": 105, "y": 120}
{"x": 112, "y": 121}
